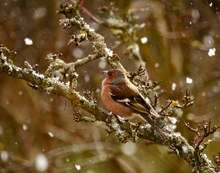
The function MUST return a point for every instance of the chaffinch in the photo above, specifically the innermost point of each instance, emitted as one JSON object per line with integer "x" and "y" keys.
{"x": 123, "y": 98}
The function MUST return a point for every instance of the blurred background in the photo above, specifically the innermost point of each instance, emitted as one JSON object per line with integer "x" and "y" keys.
{"x": 180, "y": 44}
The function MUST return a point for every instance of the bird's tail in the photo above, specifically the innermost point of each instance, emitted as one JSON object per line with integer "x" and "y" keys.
{"x": 152, "y": 123}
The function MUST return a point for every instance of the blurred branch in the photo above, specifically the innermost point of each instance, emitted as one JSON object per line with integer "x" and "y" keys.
{"x": 203, "y": 131}
{"x": 52, "y": 82}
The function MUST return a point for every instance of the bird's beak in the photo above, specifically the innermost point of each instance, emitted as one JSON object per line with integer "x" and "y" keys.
{"x": 105, "y": 72}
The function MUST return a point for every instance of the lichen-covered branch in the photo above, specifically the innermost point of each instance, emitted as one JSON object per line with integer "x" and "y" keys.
{"x": 99, "y": 46}
{"x": 123, "y": 130}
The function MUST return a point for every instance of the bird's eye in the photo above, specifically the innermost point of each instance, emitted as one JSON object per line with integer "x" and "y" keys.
{"x": 110, "y": 74}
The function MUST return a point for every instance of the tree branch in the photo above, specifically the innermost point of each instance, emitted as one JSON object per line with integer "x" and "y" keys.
{"x": 123, "y": 130}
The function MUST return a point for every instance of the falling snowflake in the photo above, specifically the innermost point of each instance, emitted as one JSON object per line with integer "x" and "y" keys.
{"x": 173, "y": 87}
{"x": 24, "y": 127}
{"x": 144, "y": 40}
{"x": 41, "y": 162}
{"x": 78, "y": 167}
{"x": 189, "y": 80}
{"x": 28, "y": 41}
{"x": 51, "y": 134}
{"x": 211, "y": 52}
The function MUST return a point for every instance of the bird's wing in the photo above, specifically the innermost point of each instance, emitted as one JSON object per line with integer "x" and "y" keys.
{"x": 136, "y": 103}
{"x": 130, "y": 96}
{"x": 124, "y": 90}
{"x": 145, "y": 110}
{"x": 134, "y": 100}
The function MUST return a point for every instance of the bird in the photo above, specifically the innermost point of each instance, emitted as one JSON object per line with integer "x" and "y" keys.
{"x": 120, "y": 96}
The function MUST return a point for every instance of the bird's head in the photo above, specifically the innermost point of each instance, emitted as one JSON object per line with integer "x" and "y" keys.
{"x": 114, "y": 76}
